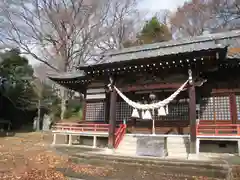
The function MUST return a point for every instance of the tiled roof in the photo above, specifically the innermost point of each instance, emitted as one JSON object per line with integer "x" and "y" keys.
{"x": 72, "y": 80}
{"x": 66, "y": 76}
{"x": 170, "y": 50}
{"x": 198, "y": 43}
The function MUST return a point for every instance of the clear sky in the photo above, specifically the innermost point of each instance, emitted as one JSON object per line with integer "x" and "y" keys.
{"x": 155, "y": 5}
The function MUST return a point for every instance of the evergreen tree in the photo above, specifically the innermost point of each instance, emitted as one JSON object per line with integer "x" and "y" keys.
{"x": 152, "y": 32}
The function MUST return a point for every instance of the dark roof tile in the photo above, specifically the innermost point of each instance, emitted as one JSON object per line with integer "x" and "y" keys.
{"x": 198, "y": 43}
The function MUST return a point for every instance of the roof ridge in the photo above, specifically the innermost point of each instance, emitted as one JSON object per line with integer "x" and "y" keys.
{"x": 185, "y": 41}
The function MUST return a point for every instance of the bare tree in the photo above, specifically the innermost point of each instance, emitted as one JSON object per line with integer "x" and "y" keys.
{"x": 226, "y": 12}
{"x": 190, "y": 19}
{"x": 122, "y": 24}
{"x": 63, "y": 34}
{"x": 196, "y": 16}
{"x": 163, "y": 16}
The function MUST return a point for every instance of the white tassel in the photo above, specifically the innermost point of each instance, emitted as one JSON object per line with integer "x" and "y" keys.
{"x": 161, "y": 111}
{"x": 147, "y": 115}
{"x": 143, "y": 113}
{"x": 166, "y": 109}
{"x": 135, "y": 113}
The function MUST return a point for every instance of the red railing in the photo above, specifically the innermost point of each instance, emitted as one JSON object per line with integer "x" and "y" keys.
{"x": 119, "y": 134}
{"x": 218, "y": 130}
{"x": 80, "y": 127}
{"x": 76, "y": 127}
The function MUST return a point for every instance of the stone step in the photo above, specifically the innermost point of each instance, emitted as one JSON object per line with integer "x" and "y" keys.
{"x": 177, "y": 144}
{"x": 177, "y": 141}
{"x": 170, "y": 138}
{"x": 130, "y": 137}
{"x": 179, "y": 150}
{"x": 126, "y": 147}
{"x": 176, "y": 147}
{"x": 170, "y": 154}
{"x": 128, "y": 152}
{"x": 176, "y": 150}
{"x": 193, "y": 168}
{"x": 129, "y": 140}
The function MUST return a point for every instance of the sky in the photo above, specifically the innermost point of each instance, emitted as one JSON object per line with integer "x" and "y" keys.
{"x": 156, "y": 5}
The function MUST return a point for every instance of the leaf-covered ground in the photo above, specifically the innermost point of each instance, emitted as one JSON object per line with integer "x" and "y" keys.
{"x": 27, "y": 156}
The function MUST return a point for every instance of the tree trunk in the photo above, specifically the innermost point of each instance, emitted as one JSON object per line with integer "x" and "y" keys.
{"x": 39, "y": 115}
{"x": 63, "y": 102}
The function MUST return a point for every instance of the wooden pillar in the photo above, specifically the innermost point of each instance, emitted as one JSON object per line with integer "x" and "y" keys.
{"x": 233, "y": 108}
{"x": 70, "y": 140}
{"x": 112, "y": 118}
{"x": 54, "y": 139}
{"x": 84, "y": 107}
{"x": 107, "y": 108}
{"x": 192, "y": 113}
{"x": 94, "y": 141}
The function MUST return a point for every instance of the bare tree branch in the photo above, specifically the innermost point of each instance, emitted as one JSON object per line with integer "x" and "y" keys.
{"x": 63, "y": 34}
{"x": 196, "y": 16}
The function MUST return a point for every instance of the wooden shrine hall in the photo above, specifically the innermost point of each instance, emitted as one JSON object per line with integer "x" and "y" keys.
{"x": 150, "y": 73}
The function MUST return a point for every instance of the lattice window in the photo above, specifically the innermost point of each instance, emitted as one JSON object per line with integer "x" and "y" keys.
{"x": 176, "y": 111}
{"x": 123, "y": 111}
{"x": 238, "y": 106}
{"x": 95, "y": 111}
{"x": 215, "y": 108}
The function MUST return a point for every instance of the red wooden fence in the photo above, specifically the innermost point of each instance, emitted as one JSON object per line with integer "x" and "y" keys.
{"x": 218, "y": 130}
{"x": 81, "y": 127}
{"x": 76, "y": 127}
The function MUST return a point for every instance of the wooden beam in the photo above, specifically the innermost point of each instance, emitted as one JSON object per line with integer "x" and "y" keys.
{"x": 192, "y": 113}
{"x": 112, "y": 119}
{"x": 219, "y": 91}
{"x": 151, "y": 87}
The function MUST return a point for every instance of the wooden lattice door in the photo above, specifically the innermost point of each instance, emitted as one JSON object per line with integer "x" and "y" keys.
{"x": 216, "y": 109}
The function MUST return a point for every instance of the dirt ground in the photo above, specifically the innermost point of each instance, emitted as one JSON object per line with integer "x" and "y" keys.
{"x": 28, "y": 156}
